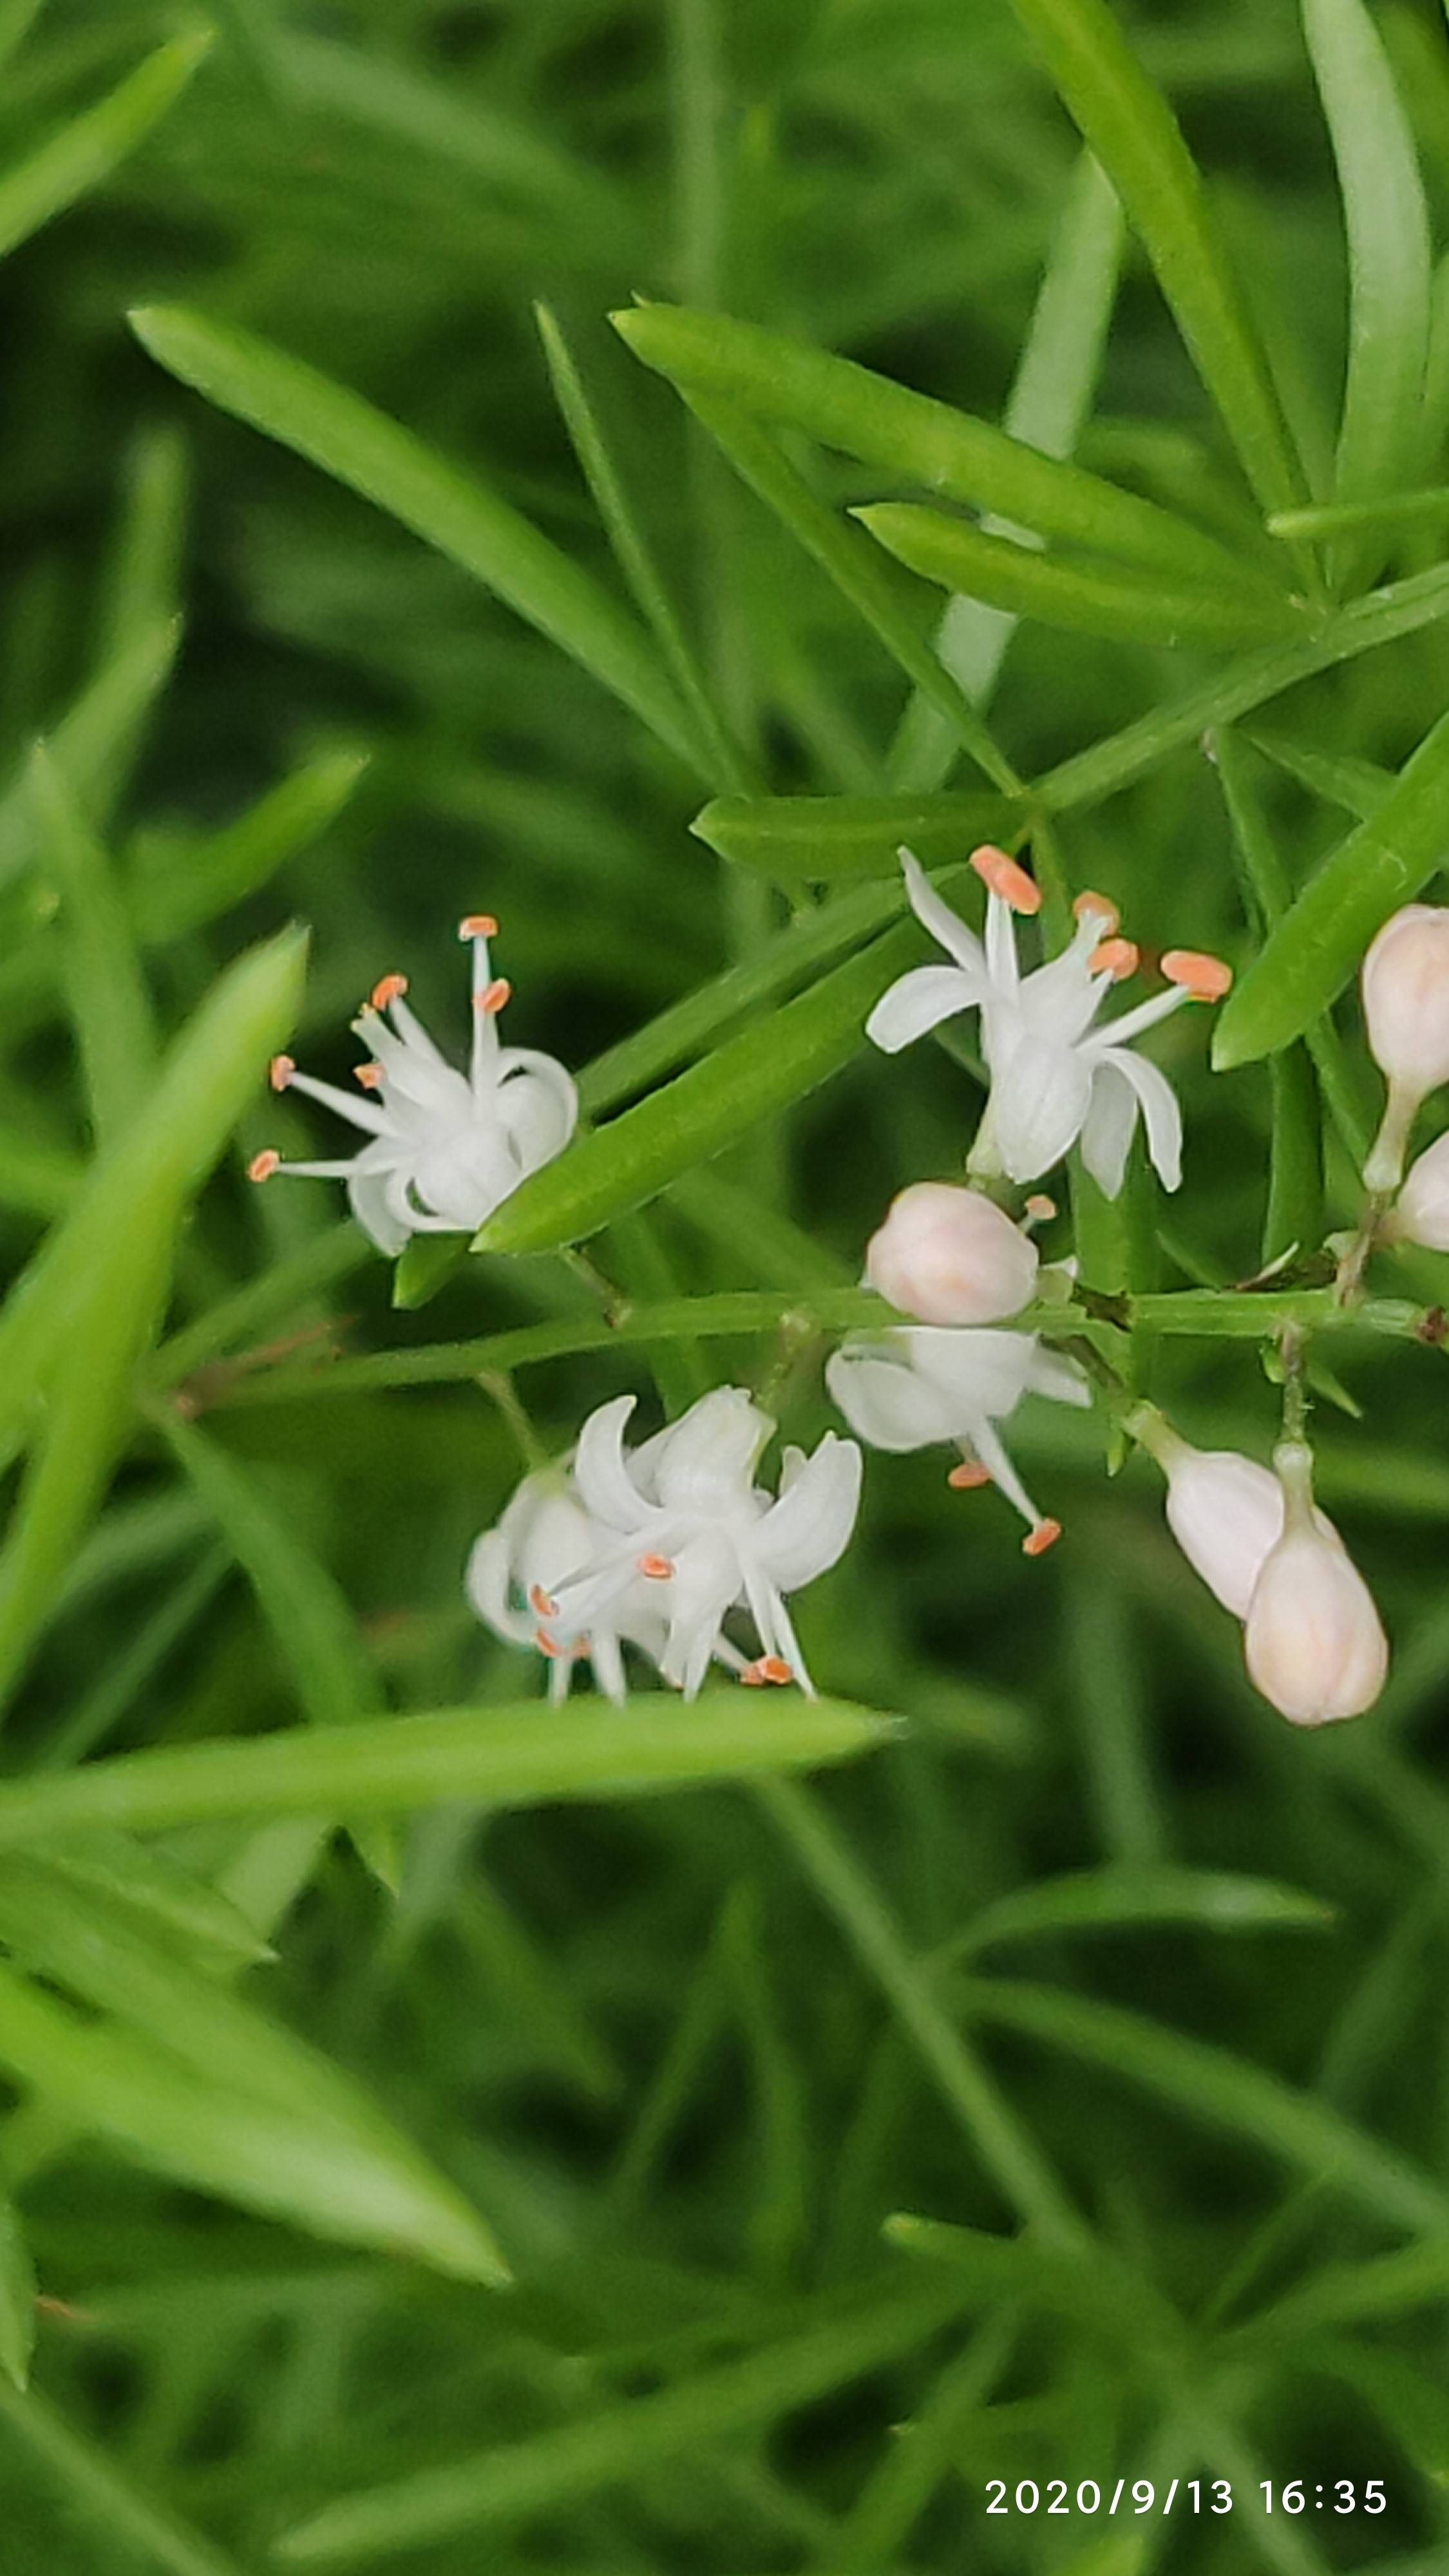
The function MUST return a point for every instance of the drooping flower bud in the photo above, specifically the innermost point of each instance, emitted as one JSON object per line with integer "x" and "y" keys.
{"x": 1406, "y": 1012}
{"x": 1225, "y": 1512}
{"x": 1314, "y": 1643}
{"x": 1421, "y": 1212}
{"x": 949, "y": 1255}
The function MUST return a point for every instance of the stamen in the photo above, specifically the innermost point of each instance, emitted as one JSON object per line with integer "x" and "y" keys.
{"x": 1002, "y": 876}
{"x": 1038, "y": 1540}
{"x": 388, "y": 990}
{"x": 492, "y": 999}
{"x": 539, "y": 1600}
{"x": 280, "y": 1072}
{"x": 768, "y": 1668}
{"x": 658, "y": 1568}
{"x": 1118, "y": 958}
{"x": 1101, "y": 908}
{"x": 262, "y": 1166}
{"x": 1039, "y": 1207}
{"x": 556, "y": 1653}
{"x": 1203, "y": 978}
{"x": 369, "y": 1075}
{"x": 478, "y": 925}
{"x": 969, "y": 1477}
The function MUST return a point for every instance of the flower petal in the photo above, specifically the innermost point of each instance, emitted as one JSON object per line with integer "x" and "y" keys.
{"x": 884, "y": 1399}
{"x": 809, "y": 1528}
{"x": 1040, "y": 1098}
{"x": 1159, "y": 1109}
{"x": 601, "y": 1470}
{"x": 920, "y": 1001}
{"x": 537, "y": 1104}
{"x": 486, "y": 1582}
{"x": 707, "y": 1463}
{"x": 934, "y": 914}
{"x": 1107, "y": 1133}
{"x": 371, "y": 1196}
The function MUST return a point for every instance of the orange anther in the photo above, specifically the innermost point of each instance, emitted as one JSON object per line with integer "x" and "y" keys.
{"x": 369, "y": 1075}
{"x": 969, "y": 1477}
{"x": 658, "y": 1568}
{"x": 492, "y": 999}
{"x": 389, "y": 990}
{"x": 1003, "y": 877}
{"x": 1039, "y": 1207}
{"x": 1115, "y": 957}
{"x": 478, "y": 925}
{"x": 1205, "y": 978}
{"x": 769, "y": 1668}
{"x": 539, "y": 1600}
{"x": 1101, "y": 908}
{"x": 751, "y": 1676}
{"x": 546, "y": 1644}
{"x": 280, "y": 1072}
{"x": 262, "y": 1166}
{"x": 1037, "y": 1541}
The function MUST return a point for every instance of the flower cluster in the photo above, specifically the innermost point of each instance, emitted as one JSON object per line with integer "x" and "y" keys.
{"x": 664, "y": 1547}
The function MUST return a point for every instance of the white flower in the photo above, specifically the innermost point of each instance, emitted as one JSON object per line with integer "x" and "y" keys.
{"x": 1406, "y": 1010}
{"x": 1054, "y": 1077}
{"x": 446, "y": 1147}
{"x": 1313, "y": 1641}
{"x": 1421, "y": 1212}
{"x": 951, "y": 1256}
{"x": 544, "y": 1538}
{"x": 916, "y": 1385}
{"x": 658, "y": 1544}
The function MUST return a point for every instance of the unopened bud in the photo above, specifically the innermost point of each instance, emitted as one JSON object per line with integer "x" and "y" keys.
{"x": 1406, "y": 998}
{"x": 1225, "y": 1512}
{"x": 1314, "y": 1643}
{"x": 948, "y": 1255}
{"x": 1421, "y": 1212}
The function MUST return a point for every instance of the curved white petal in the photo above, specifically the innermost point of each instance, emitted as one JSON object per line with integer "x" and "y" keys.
{"x": 973, "y": 1369}
{"x": 1052, "y": 1375}
{"x": 885, "y": 1400}
{"x": 1107, "y": 1133}
{"x": 1039, "y": 1099}
{"x": 707, "y": 1463}
{"x": 809, "y": 1528}
{"x": 601, "y": 1471}
{"x": 1002, "y": 969}
{"x": 1159, "y": 1107}
{"x": 920, "y": 1001}
{"x": 486, "y": 1581}
{"x": 372, "y": 1199}
{"x": 537, "y": 1105}
{"x": 945, "y": 926}
{"x": 706, "y": 1584}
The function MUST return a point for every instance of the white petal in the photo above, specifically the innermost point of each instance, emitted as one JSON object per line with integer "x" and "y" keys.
{"x": 486, "y": 1582}
{"x": 1039, "y": 1100}
{"x": 537, "y": 1104}
{"x": 1159, "y": 1109}
{"x": 708, "y": 1461}
{"x": 601, "y": 1472}
{"x": 1107, "y": 1134}
{"x": 1053, "y": 1375}
{"x": 809, "y": 1528}
{"x": 608, "y": 1664}
{"x": 945, "y": 926}
{"x": 884, "y": 1399}
{"x": 371, "y": 1196}
{"x": 973, "y": 1372}
{"x": 1002, "y": 969}
{"x": 917, "y": 1002}
{"x": 993, "y": 1457}
{"x": 706, "y": 1584}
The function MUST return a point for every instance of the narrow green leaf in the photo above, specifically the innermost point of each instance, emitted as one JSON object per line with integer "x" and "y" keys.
{"x": 110, "y": 1006}
{"x": 1294, "y": 1213}
{"x": 1136, "y": 137}
{"x": 720, "y": 756}
{"x": 1050, "y": 397}
{"x": 623, "y": 1165}
{"x": 91, "y": 2488}
{"x": 274, "y": 1297}
{"x": 1087, "y": 599}
{"x": 88, "y": 150}
{"x": 92, "y": 745}
{"x": 825, "y": 838}
{"x": 143, "y": 577}
{"x": 1111, "y": 1899}
{"x": 1353, "y": 518}
{"x": 426, "y": 1263}
{"x": 622, "y": 2444}
{"x": 191, "y": 882}
{"x": 1339, "y": 777}
{"x": 161, "y": 1897}
{"x": 857, "y": 574}
{"x": 17, "y": 17}
{"x": 915, "y": 438}
{"x": 321, "y": 2174}
{"x": 1388, "y": 258}
{"x": 17, "y": 2295}
{"x": 1408, "y": 2404}
{"x": 1320, "y": 942}
{"x": 1082, "y": 2282}
{"x": 376, "y": 457}
{"x": 1227, "y": 2093}
{"x": 137, "y": 1191}
{"x": 512, "y": 1756}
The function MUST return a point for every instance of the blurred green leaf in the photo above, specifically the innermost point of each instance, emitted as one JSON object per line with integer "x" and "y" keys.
{"x": 98, "y": 2494}
{"x": 161, "y": 1897}
{"x": 1388, "y": 252}
{"x": 1086, "y": 598}
{"x": 92, "y": 744}
{"x": 824, "y": 838}
{"x": 1112, "y": 1899}
{"x": 1407, "y": 2402}
{"x": 17, "y": 2295}
{"x": 520, "y": 1754}
{"x": 180, "y": 886}
{"x": 1294, "y": 1212}
{"x": 376, "y": 457}
{"x": 1136, "y": 137}
{"x": 86, "y": 151}
{"x": 1320, "y": 942}
{"x": 110, "y": 1007}
{"x": 914, "y": 437}
{"x": 141, "y": 589}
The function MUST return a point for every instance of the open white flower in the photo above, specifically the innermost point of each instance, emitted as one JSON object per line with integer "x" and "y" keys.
{"x": 544, "y": 1538}
{"x": 1055, "y": 1076}
{"x": 683, "y": 1515}
{"x": 916, "y": 1385}
{"x": 446, "y": 1147}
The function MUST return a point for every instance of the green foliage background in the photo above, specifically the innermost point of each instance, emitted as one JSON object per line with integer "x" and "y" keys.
{"x": 1095, "y": 1963}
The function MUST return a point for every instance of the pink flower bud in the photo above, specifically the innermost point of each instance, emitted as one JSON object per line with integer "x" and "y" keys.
{"x": 1406, "y": 998}
{"x": 1225, "y": 1512}
{"x": 1314, "y": 1643}
{"x": 1421, "y": 1213}
{"x": 950, "y": 1256}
